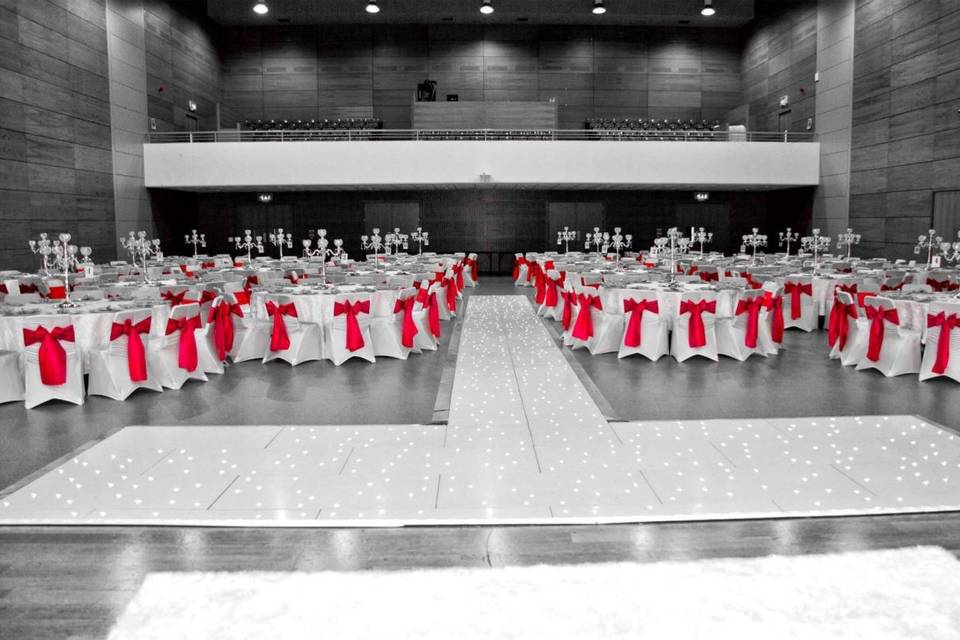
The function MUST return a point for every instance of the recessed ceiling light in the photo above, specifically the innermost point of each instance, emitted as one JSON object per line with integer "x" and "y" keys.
{"x": 708, "y": 9}
{"x": 598, "y": 8}
{"x": 486, "y": 8}
{"x": 372, "y": 7}
{"x": 261, "y": 8}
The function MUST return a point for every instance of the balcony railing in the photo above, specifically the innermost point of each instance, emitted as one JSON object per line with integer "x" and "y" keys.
{"x": 430, "y": 135}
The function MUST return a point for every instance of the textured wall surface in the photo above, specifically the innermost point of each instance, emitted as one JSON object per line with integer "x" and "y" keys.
{"x": 311, "y": 72}
{"x": 55, "y": 158}
{"x": 906, "y": 130}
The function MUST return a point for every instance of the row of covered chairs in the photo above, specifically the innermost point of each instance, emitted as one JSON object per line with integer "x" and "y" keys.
{"x": 650, "y": 125}
{"x": 313, "y": 124}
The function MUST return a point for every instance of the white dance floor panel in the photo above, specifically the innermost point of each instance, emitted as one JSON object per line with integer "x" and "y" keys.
{"x": 525, "y": 444}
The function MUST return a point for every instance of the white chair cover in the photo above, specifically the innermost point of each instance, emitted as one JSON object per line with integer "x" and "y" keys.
{"x": 109, "y": 363}
{"x": 900, "y": 351}
{"x": 336, "y": 338}
{"x": 934, "y": 332}
{"x": 35, "y": 391}
{"x": 163, "y": 356}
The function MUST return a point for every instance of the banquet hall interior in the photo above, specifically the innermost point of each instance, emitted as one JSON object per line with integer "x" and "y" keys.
{"x": 465, "y": 311}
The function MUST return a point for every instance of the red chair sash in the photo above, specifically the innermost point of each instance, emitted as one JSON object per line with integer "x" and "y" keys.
{"x": 355, "y": 339}
{"x": 52, "y": 356}
{"x": 251, "y": 281}
{"x": 428, "y": 300}
{"x": 633, "y": 336}
{"x": 223, "y": 331}
{"x": 569, "y": 301}
{"x": 946, "y": 324}
{"x": 450, "y": 285}
{"x": 937, "y": 285}
{"x": 552, "y": 293}
{"x": 878, "y": 317}
{"x": 888, "y": 287}
{"x": 175, "y": 299}
{"x": 243, "y": 297}
{"x": 775, "y": 305}
{"x": 136, "y": 355}
{"x": 458, "y": 272}
{"x": 710, "y": 276}
{"x": 583, "y": 328}
{"x": 750, "y": 281}
{"x": 795, "y": 290}
{"x": 408, "y": 328}
{"x": 839, "y": 326}
{"x": 474, "y": 269}
{"x": 187, "y": 357}
{"x": 279, "y": 338}
{"x": 207, "y": 264}
{"x": 752, "y": 308}
{"x": 849, "y": 288}
{"x": 205, "y": 297}
{"x": 58, "y": 292}
{"x": 28, "y": 287}
{"x": 3, "y": 288}
{"x": 533, "y": 271}
{"x": 517, "y": 264}
{"x": 696, "y": 331}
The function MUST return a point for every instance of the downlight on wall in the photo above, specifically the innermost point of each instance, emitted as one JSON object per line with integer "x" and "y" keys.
{"x": 486, "y": 8}
{"x": 372, "y": 7}
{"x": 708, "y": 9}
{"x": 261, "y": 8}
{"x": 598, "y": 8}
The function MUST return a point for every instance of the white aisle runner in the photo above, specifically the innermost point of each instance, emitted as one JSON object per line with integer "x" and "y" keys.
{"x": 525, "y": 444}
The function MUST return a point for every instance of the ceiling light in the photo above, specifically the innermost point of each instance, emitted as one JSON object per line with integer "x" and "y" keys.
{"x": 261, "y": 8}
{"x": 372, "y": 7}
{"x": 486, "y": 8}
{"x": 708, "y": 9}
{"x": 598, "y": 8}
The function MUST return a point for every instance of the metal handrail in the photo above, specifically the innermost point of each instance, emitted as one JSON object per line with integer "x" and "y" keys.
{"x": 432, "y": 135}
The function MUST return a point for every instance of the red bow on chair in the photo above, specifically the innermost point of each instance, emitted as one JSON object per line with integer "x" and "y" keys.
{"x": 569, "y": 301}
{"x": 519, "y": 262}
{"x": 938, "y": 285}
{"x": 428, "y": 300}
{"x": 292, "y": 277}
{"x": 796, "y": 289}
{"x": 696, "y": 332}
{"x": 205, "y": 297}
{"x": 474, "y": 269}
{"x": 849, "y": 288}
{"x": 279, "y": 338}
{"x": 710, "y": 276}
{"x": 57, "y": 292}
{"x": 634, "y": 333}
{"x": 223, "y": 332}
{"x": 207, "y": 264}
{"x": 450, "y": 285}
{"x": 750, "y": 281}
{"x": 136, "y": 355}
{"x": 533, "y": 271}
{"x": 878, "y": 317}
{"x": 551, "y": 297}
{"x": 27, "y": 287}
{"x": 838, "y": 327}
{"x": 895, "y": 287}
{"x": 946, "y": 324}
{"x": 752, "y": 308}
{"x": 458, "y": 272}
{"x": 3, "y": 288}
{"x": 540, "y": 284}
{"x": 352, "y": 310}
{"x": 52, "y": 357}
{"x": 175, "y": 299}
{"x": 692, "y": 271}
{"x": 187, "y": 355}
{"x": 775, "y": 305}
{"x": 583, "y": 329}
{"x": 243, "y": 297}
{"x": 250, "y": 281}
{"x": 408, "y": 328}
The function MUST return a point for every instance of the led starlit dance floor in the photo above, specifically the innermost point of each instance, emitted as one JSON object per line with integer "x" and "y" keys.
{"x": 525, "y": 443}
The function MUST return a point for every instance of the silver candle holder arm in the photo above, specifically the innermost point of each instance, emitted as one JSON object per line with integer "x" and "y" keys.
{"x": 951, "y": 250}
{"x": 848, "y": 239}
{"x": 44, "y": 248}
{"x": 322, "y": 251}
{"x": 375, "y": 242}
{"x": 141, "y": 248}
{"x": 753, "y": 240}
{"x": 564, "y": 237}
{"x": 788, "y": 237}
{"x": 702, "y": 237}
{"x": 395, "y": 241}
{"x": 619, "y": 242}
{"x": 247, "y": 241}
{"x": 669, "y": 246}
{"x": 280, "y": 239}
{"x": 929, "y": 241}
{"x": 599, "y": 241}
{"x": 197, "y": 240}
{"x": 816, "y": 244}
{"x": 422, "y": 238}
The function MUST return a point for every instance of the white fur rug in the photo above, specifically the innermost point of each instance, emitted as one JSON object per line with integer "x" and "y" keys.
{"x": 904, "y": 594}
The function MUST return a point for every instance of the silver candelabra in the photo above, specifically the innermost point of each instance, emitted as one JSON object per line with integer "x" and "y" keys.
{"x": 141, "y": 247}
{"x": 195, "y": 240}
{"x": 564, "y": 237}
{"x": 930, "y": 241}
{"x": 44, "y": 248}
{"x": 620, "y": 242}
{"x": 375, "y": 242}
{"x": 788, "y": 237}
{"x": 673, "y": 239}
{"x": 951, "y": 250}
{"x": 279, "y": 239}
{"x": 395, "y": 241}
{"x": 598, "y": 240}
{"x": 754, "y": 239}
{"x": 422, "y": 238}
{"x": 248, "y": 242}
{"x": 322, "y": 251}
{"x": 65, "y": 260}
{"x": 703, "y": 237}
{"x": 848, "y": 239}
{"x": 815, "y": 243}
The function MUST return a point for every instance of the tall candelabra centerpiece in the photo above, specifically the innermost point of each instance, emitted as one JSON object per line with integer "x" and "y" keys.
{"x": 929, "y": 241}
{"x": 44, "y": 248}
{"x": 422, "y": 238}
{"x": 564, "y": 237}
{"x": 322, "y": 251}
{"x": 669, "y": 246}
{"x": 375, "y": 242}
{"x": 702, "y": 237}
{"x": 816, "y": 244}
{"x": 598, "y": 240}
{"x": 619, "y": 242}
{"x": 394, "y": 241}
{"x": 280, "y": 239}
{"x": 848, "y": 239}
{"x": 64, "y": 261}
{"x": 787, "y": 238}
{"x": 247, "y": 241}
{"x": 196, "y": 240}
{"x": 951, "y": 250}
{"x": 753, "y": 240}
{"x": 141, "y": 248}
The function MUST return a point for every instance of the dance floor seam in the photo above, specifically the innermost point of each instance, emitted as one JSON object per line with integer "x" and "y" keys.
{"x": 525, "y": 443}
